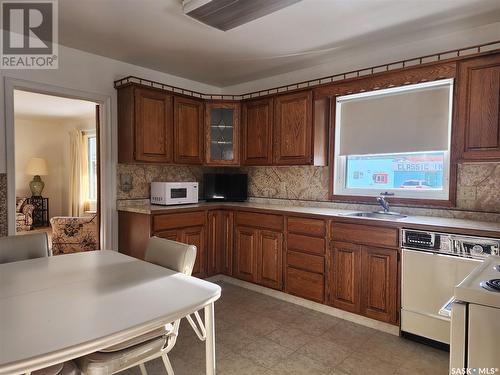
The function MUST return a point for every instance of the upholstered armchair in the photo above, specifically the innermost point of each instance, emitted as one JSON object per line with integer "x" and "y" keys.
{"x": 74, "y": 234}
{"x": 24, "y": 214}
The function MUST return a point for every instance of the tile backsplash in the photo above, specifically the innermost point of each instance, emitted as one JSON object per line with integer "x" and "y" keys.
{"x": 478, "y": 185}
{"x": 134, "y": 179}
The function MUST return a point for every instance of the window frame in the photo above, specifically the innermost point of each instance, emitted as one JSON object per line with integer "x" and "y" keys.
{"x": 90, "y": 205}
{"x": 340, "y": 180}
{"x": 391, "y": 80}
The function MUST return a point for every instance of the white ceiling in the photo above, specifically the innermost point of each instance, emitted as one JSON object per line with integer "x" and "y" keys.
{"x": 155, "y": 33}
{"x": 29, "y": 104}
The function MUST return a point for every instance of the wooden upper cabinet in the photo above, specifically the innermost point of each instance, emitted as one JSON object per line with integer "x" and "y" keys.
{"x": 380, "y": 290}
{"x": 145, "y": 125}
{"x": 188, "y": 131}
{"x": 257, "y": 132}
{"x": 222, "y": 133}
{"x": 270, "y": 259}
{"x": 478, "y": 108}
{"x": 293, "y": 129}
{"x": 344, "y": 276}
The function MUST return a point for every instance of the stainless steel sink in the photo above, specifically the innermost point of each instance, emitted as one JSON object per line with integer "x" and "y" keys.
{"x": 378, "y": 215}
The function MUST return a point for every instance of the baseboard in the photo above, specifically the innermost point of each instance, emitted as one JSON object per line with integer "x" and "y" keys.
{"x": 367, "y": 322}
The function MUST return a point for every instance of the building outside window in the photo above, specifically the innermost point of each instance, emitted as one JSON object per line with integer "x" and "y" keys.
{"x": 394, "y": 141}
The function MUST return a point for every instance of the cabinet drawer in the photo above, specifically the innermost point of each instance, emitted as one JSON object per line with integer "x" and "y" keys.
{"x": 365, "y": 234}
{"x": 178, "y": 220}
{"x": 253, "y": 219}
{"x": 307, "y": 244}
{"x": 306, "y": 262}
{"x": 309, "y": 227}
{"x": 305, "y": 284}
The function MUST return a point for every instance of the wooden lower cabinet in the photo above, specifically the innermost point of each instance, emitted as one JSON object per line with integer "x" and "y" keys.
{"x": 305, "y": 284}
{"x": 173, "y": 235}
{"x": 270, "y": 259}
{"x": 258, "y": 256}
{"x": 344, "y": 276}
{"x": 379, "y": 268}
{"x": 220, "y": 242}
{"x": 192, "y": 236}
{"x": 364, "y": 280}
{"x": 361, "y": 278}
{"x": 305, "y": 258}
{"x": 196, "y": 236}
{"x": 245, "y": 253}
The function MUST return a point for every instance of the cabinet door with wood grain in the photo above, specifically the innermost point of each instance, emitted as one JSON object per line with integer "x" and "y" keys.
{"x": 245, "y": 253}
{"x": 379, "y": 284}
{"x": 188, "y": 131}
{"x": 344, "y": 276}
{"x": 220, "y": 242}
{"x": 173, "y": 235}
{"x": 153, "y": 126}
{"x": 227, "y": 224}
{"x": 196, "y": 236}
{"x": 222, "y": 133}
{"x": 213, "y": 248}
{"x": 293, "y": 129}
{"x": 270, "y": 259}
{"x": 477, "y": 134}
{"x": 257, "y": 132}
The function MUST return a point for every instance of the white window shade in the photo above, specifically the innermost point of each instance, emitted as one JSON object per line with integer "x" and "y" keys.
{"x": 412, "y": 118}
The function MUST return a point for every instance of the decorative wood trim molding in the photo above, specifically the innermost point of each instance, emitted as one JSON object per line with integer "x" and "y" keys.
{"x": 446, "y": 56}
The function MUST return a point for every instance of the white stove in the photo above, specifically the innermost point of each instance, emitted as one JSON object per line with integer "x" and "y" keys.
{"x": 479, "y": 286}
{"x": 475, "y": 321}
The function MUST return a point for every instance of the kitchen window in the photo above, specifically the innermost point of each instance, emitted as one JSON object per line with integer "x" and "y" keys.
{"x": 89, "y": 177}
{"x": 395, "y": 142}
{"x": 92, "y": 165}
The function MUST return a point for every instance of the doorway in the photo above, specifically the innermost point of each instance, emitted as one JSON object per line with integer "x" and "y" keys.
{"x": 57, "y": 173}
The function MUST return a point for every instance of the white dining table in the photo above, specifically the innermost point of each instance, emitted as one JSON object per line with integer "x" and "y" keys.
{"x": 62, "y": 307}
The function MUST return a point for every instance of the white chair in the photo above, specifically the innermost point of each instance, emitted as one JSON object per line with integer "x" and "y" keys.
{"x": 32, "y": 246}
{"x": 158, "y": 343}
{"x": 23, "y": 247}
{"x": 66, "y": 368}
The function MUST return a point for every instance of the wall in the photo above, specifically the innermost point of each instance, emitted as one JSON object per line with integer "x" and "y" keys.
{"x": 3, "y": 204}
{"x": 369, "y": 54}
{"x": 89, "y": 73}
{"x": 95, "y": 74}
{"x": 49, "y": 139}
{"x": 143, "y": 174}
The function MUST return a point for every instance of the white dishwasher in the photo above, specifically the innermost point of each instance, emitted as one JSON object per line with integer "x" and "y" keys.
{"x": 432, "y": 265}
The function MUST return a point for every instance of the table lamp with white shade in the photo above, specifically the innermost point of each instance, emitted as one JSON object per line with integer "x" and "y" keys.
{"x": 37, "y": 167}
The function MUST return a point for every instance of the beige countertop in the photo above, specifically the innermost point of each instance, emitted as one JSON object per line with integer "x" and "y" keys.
{"x": 457, "y": 225}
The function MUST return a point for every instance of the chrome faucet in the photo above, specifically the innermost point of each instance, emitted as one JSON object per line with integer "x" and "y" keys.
{"x": 385, "y": 205}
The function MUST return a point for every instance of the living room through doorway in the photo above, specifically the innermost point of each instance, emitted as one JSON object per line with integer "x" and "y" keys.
{"x": 57, "y": 170}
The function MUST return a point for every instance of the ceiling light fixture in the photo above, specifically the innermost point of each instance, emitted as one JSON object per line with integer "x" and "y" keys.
{"x": 228, "y": 14}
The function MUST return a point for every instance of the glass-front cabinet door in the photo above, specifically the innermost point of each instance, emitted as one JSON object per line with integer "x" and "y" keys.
{"x": 223, "y": 133}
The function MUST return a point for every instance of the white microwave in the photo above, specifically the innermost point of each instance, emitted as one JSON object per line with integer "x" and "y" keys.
{"x": 167, "y": 193}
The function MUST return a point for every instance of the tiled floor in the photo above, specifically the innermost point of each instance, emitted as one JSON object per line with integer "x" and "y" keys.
{"x": 261, "y": 335}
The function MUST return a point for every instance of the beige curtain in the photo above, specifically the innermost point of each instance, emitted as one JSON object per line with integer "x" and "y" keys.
{"x": 78, "y": 177}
